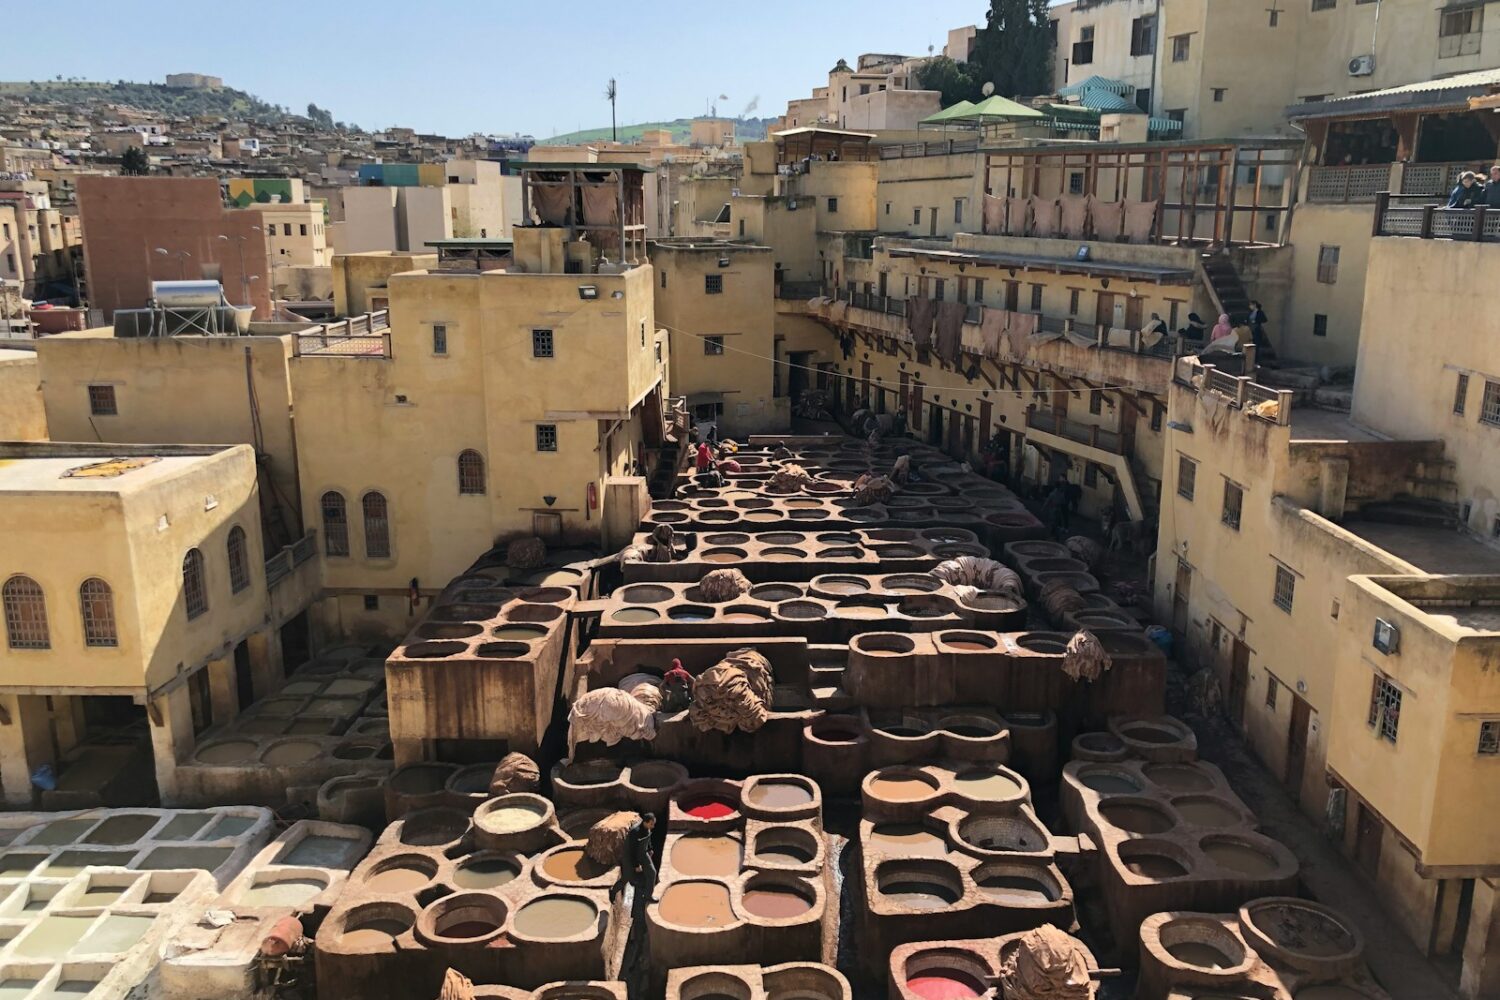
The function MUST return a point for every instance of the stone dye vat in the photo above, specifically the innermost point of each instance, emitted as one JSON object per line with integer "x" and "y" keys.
{"x": 482, "y": 667}
{"x": 587, "y": 791}
{"x": 795, "y": 555}
{"x": 946, "y": 848}
{"x": 744, "y": 875}
{"x": 328, "y": 721}
{"x": 1278, "y": 946}
{"x": 966, "y": 969}
{"x": 571, "y": 990}
{"x": 832, "y": 608}
{"x": 502, "y": 896}
{"x": 299, "y": 874}
{"x": 87, "y": 899}
{"x": 800, "y": 980}
{"x": 1172, "y": 835}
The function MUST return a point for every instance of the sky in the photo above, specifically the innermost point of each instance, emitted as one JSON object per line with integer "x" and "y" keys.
{"x": 495, "y": 66}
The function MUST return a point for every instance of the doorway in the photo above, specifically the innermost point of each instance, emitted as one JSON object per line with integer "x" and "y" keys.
{"x": 296, "y": 645}
{"x": 1239, "y": 681}
{"x": 244, "y": 679}
{"x": 932, "y": 222}
{"x": 798, "y": 363}
{"x": 1368, "y": 833}
{"x": 935, "y": 427}
{"x": 1296, "y": 746}
{"x": 1181, "y": 595}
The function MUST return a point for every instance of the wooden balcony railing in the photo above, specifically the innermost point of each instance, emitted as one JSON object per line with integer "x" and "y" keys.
{"x": 1417, "y": 216}
{"x": 1337, "y": 185}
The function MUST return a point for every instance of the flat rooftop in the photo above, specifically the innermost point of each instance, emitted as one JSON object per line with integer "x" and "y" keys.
{"x": 51, "y": 468}
{"x": 1312, "y": 424}
{"x": 1439, "y": 551}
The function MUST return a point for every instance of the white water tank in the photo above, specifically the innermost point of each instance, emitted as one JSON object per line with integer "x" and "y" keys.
{"x": 187, "y": 294}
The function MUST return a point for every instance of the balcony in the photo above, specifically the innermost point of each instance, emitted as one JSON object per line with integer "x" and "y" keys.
{"x": 282, "y": 564}
{"x": 367, "y": 336}
{"x": 1088, "y": 434}
{"x": 1417, "y": 217}
{"x": 1348, "y": 185}
{"x": 1240, "y": 392}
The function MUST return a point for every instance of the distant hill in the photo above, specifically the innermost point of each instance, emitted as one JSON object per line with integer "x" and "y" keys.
{"x": 152, "y": 97}
{"x": 746, "y": 128}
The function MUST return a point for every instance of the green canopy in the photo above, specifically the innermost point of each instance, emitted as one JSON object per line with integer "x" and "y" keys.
{"x": 958, "y": 110}
{"x": 1001, "y": 107}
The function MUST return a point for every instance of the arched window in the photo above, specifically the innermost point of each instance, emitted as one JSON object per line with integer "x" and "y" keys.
{"x": 239, "y": 560}
{"x": 377, "y": 526}
{"x": 471, "y": 472}
{"x": 97, "y": 602}
{"x": 25, "y": 614}
{"x": 194, "y": 593}
{"x": 335, "y": 524}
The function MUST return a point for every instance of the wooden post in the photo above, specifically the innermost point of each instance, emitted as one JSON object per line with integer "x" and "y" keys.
{"x": 1382, "y": 204}
{"x": 1479, "y": 223}
{"x": 1428, "y": 213}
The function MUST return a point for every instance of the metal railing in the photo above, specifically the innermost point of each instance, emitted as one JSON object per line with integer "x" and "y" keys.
{"x": 1090, "y": 434}
{"x": 1240, "y": 392}
{"x": 367, "y": 336}
{"x": 1428, "y": 221}
{"x": 944, "y": 147}
{"x": 799, "y": 289}
{"x": 281, "y": 565}
{"x": 1336, "y": 185}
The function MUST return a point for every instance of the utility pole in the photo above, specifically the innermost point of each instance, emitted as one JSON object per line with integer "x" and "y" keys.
{"x": 610, "y": 93}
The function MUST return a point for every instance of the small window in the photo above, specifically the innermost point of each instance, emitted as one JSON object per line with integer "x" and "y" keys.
{"x": 1234, "y": 500}
{"x": 664, "y": 278}
{"x": 887, "y": 208}
{"x": 833, "y": 204}
{"x": 1158, "y": 414}
{"x": 1489, "y": 738}
{"x": 546, "y": 437}
{"x": 541, "y": 344}
{"x": 713, "y": 346}
{"x": 1320, "y": 324}
{"x": 713, "y": 284}
{"x": 1275, "y": 17}
{"x": 335, "y": 524}
{"x": 1036, "y": 298}
{"x": 1073, "y": 295}
{"x": 1286, "y": 588}
{"x": 470, "y": 473}
{"x": 1324, "y": 4}
{"x": 286, "y": 229}
{"x": 1143, "y": 35}
{"x": 372, "y": 602}
{"x": 303, "y": 228}
{"x": 958, "y": 211}
{"x": 377, "y": 525}
{"x": 1489, "y": 407}
{"x": 1334, "y": 609}
{"x": 1075, "y": 182}
{"x": 239, "y": 560}
{"x": 1219, "y": 94}
{"x": 194, "y": 593}
{"x": 1461, "y": 393}
{"x": 25, "y": 614}
{"x": 439, "y": 338}
{"x": 1083, "y": 49}
{"x": 1091, "y": 475}
{"x": 978, "y": 289}
{"x": 1271, "y": 687}
{"x": 1096, "y": 402}
{"x": 102, "y": 401}
{"x": 916, "y": 216}
{"x": 658, "y": 354}
{"x": 97, "y": 603}
{"x": 939, "y": 287}
{"x": 1385, "y": 708}
{"x": 1181, "y": 47}
{"x": 1328, "y": 264}
{"x": 1187, "y": 476}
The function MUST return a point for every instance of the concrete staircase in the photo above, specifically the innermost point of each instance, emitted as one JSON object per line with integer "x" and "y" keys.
{"x": 1433, "y": 481}
{"x": 1225, "y": 286}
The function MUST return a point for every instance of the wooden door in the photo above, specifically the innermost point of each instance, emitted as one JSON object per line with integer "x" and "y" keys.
{"x": 1368, "y": 833}
{"x": 1133, "y": 307}
{"x": 1104, "y": 309}
{"x": 1181, "y": 593}
{"x": 1013, "y": 296}
{"x": 955, "y": 434}
{"x": 244, "y": 680}
{"x": 932, "y": 222}
{"x": 969, "y": 438}
{"x": 1239, "y": 681}
{"x": 1296, "y": 745}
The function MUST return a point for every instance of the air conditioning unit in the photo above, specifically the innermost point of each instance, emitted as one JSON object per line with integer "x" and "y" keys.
{"x": 1362, "y": 65}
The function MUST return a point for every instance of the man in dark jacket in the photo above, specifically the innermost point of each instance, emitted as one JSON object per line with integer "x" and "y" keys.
{"x": 638, "y": 868}
{"x": 1492, "y": 189}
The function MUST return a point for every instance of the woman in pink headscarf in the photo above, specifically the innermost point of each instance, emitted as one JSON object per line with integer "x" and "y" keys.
{"x": 1221, "y": 328}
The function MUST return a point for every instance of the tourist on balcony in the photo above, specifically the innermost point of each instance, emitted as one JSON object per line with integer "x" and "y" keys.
{"x": 1257, "y": 323}
{"x": 1468, "y": 193}
{"x": 1492, "y": 189}
{"x": 1196, "y": 329}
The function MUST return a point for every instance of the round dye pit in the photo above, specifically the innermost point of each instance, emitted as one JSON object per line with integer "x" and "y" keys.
{"x": 1179, "y": 777}
{"x": 1148, "y": 865}
{"x": 291, "y": 752}
{"x": 1136, "y": 817}
{"x": 431, "y": 827}
{"x": 657, "y": 774}
{"x": 696, "y": 904}
{"x": 863, "y": 612}
{"x": 910, "y": 584}
{"x": 227, "y": 752}
{"x": 1011, "y": 889}
{"x": 841, "y": 552}
{"x": 1198, "y": 953}
{"x": 1100, "y": 743}
{"x": 901, "y": 788}
{"x": 690, "y": 613}
{"x": 801, "y": 610}
{"x": 708, "y": 807}
{"x": 785, "y": 846}
{"x": 726, "y": 538}
{"x": 645, "y": 593}
{"x": 485, "y": 873}
{"x": 420, "y": 779}
{"x": 716, "y": 857}
{"x": 775, "y": 903}
{"x": 909, "y": 840}
{"x": 836, "y": 730}
{"x": 915, "y": 893}
{"x": 596, "y": 772}
{"x": 1208, "y": 812}
{"x": 971, "y": 727}
{"x": 1240, "y": 858}
{"x": 635, "y": 616}
{"x": 1109, "y": 782}
{"x": 774, "y": 592}
{"x": 945, "y": 984}
{"x": 884, "y": 644}
{"x": 784, "y": 552}
{"x": 1155, "y": 735}
{"x": 374, "y": 934}
{"x": 782, "y": 538}
{"x": 553, "y": 578}
{"x": 841, "y": 585}
{"x": 988, "y": 786}
{"x": 510, "y": 817}
{"x": 723, "y": 555}
{"x": 745, "y": 613}
{"x": 572, "y": 865}
{"x": 1303, "y": 934}
{"x": 967, "y": 642}
{"x": 551, "y": 918}
{"x": 779, "y": 795}
{"x": 406, "y": 874}
{"x": 518, "y": 633}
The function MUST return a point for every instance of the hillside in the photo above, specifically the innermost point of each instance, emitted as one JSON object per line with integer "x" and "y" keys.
{"x": 152, "y": 97}
{"x": 747, "y": 128}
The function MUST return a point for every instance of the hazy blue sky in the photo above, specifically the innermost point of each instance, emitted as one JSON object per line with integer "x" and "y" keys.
{"x": 496, "y": 66}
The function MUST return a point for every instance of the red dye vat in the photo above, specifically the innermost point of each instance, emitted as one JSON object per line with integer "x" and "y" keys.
{"x": 708, "y": 808}
{"x": 942, "y": 985}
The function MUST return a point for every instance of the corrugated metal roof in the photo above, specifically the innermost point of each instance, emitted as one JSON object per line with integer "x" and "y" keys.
{"x": 1428, "y": 93}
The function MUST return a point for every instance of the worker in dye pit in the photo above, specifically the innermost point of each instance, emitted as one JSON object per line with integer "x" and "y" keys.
{"x": 676, "y": 688}
{"x": 639, "y": 869}
{"x": 782, "y": 452}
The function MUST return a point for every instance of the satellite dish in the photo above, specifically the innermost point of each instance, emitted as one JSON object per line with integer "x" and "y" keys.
{"x": 988, "y": 89}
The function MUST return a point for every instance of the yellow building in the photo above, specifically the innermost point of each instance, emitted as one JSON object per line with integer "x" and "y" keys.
{"x": 294, "y": 233}
{"x": 715, "y": 300}
{"x": 23, "y": 417}
{"x": 135, "y": 602}
{"x": 1310, "y": 560}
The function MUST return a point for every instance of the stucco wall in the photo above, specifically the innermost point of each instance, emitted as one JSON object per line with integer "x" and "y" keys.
{"x": 23, "y": 414}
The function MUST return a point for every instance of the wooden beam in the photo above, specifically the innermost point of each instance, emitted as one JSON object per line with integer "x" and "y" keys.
{"x": 1129, "y": 400}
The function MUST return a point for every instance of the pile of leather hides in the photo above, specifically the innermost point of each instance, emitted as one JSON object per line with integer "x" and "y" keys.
{"x": 722, "y": 585}
{"x": 1060, "y": 599}
{"x": 644, "y": 688}
{"x": 516, "y": 772}
{"x": 1085, "y": 550}
{"x": 1046, "y": 965}
{"x": 975, "y": 571}
{"x": 609, "y": 715}
{"x": 871, "y": 489}
{"x": 1085, "y": 659}
{"x": 606, "y": 840}
{"x": 733, "y": 694}
{"x": 526, "y": 553}
{"x": 790, "y": 475}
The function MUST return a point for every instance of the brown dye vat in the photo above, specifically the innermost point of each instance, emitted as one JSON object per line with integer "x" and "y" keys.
{"x": 801, "y": 610}
{"x": 1178, "y": 778}
{"x": 843, "y": 586}
{"x": 523, "y": 633}
{"x": 1109, "y": 783}
{"x": 1154, "y": 866}
{"x": 774, "y": 904}
{"x": 918, "y": 895}
{"x": 762, "y": 516}
{"x": 696, "y": 904}
{"x": 967, "y": 646}
{"x": 839, "y": 553}
{"x": 781, "y": 538}
{"x": 1014, "y": 890}
{"x": 635, "y": 616}
{"x": 901, "y": 789}
{"x": 398, "y": 879}
{"x": 706, "y": 856}
{"x": 484, "y": 873}
{"x": 785, "y": 854}
{"x": 291, "y": 753}
{"x": 746, "y": 615}
{"x": 907, "y": 840}
{"x": 374, "y": 934}
{"x": 555, "y": 917}
{"x": 1239, "y": 858}
{"x": 1136, "y": 819}
{"x": 867, "y": 612}
{"x": 572, "y": 865}
{"x": 1205, "y": 956}
{"x": 1150, "y": 734}
{"x": 723, "y": 555}
{"x": 789, "y": 553}
{"x": 779, "y": 795}
{"x": 803, "y": 504}
{"x": 1206, "y": 812}
{"x": 774, "y": 592}
{"x": 987, "y": 785}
